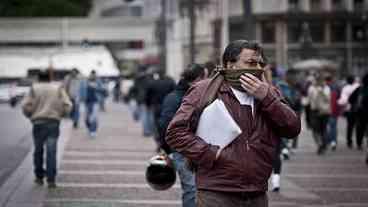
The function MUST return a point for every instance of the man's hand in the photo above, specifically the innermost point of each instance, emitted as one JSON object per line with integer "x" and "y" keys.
{"x": 253, "y": 86}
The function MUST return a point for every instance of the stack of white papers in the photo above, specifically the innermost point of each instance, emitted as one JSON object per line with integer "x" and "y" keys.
{"x": 216, "y": 126}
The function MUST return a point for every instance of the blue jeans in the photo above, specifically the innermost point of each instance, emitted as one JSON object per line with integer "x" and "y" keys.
{"x": 91, "y": 116}
{"x": 45, "y": 133}
{"x": 74, "y": 115}
{"x": 147, "y": 120}
{"x": 332, "y": 129}
{"x": 187, "y": 180}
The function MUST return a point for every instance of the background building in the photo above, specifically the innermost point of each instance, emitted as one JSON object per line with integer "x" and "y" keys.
{"x": 338, "y": 31}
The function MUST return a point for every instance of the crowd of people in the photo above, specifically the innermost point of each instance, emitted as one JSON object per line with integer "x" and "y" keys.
{"x": 267, "y": 110}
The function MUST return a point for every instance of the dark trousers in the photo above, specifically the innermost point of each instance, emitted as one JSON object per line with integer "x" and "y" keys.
{"x": 277, "y": 163}
{"x": 45, "y": 133}
{"x": 361, "y": 128}
{"x": 320, "y": 131}
{"x": 225, "y": 199}
{"x": 350, "y": 119}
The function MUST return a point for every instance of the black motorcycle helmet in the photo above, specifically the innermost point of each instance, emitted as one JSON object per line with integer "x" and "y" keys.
{"x": 160, "y": 175}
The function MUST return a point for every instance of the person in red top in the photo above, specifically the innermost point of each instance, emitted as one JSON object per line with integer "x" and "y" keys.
{"x": 335, "y": 112}
{"x": 237, "y": 175}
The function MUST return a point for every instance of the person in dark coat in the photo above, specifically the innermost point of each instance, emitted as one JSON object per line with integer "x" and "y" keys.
{"x": 170, "y": 105}
{"x": 156, "y": 90}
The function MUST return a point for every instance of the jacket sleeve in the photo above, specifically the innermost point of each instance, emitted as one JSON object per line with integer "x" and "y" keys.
{"x": 67, "y": 104}
{"x": 180, "y": 135}
{"x": 28, "y": 104}
{"x": 168, "y": 109}
{"x": 284, "y": 120}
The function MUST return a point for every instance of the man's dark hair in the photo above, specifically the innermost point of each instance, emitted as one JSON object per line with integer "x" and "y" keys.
{"x": 44, "y": 76}
{"x": 233, "y": 50}
{"x": 350, "y": 79}
{"x": 192, "y": 72}
{"x": 75, "y": 70}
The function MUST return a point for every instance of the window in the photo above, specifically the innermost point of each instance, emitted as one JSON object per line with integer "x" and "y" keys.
{"x": 338, "y": 5}
{"x": 338, "y": 32}
{"x": 359, "y": 33}
{"x": 294, "y": 5}
{"x": 358, "y": 5}
{"x": 294, "y": 30}
{"x": 316, "y": 5}
{"x": 268, "y": 32}
{"x": 317, "y": 31}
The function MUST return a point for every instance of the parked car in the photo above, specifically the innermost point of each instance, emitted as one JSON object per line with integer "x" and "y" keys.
{"x": 5, "y": 94}
{"x": 21, "y": 88}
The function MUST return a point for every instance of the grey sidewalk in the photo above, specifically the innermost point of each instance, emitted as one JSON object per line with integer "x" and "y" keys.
{"x": 19, "y": 190}
{"x": 108, "y": 171}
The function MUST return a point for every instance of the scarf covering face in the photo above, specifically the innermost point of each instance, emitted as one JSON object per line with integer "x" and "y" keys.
{"x": 232, "y": 76}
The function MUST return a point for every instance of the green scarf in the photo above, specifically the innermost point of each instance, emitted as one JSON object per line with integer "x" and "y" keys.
{"x": 232, "y": 76}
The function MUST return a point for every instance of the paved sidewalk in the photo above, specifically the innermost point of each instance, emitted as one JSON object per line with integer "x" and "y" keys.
{"x": 19, "y": 190}
{"x": 108, "y": 171}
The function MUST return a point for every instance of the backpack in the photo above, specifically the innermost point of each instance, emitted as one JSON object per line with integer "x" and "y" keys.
{"x": 322, "y": 103}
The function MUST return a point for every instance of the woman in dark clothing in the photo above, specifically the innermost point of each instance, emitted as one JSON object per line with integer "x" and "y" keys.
{"x": 359, "y": 101}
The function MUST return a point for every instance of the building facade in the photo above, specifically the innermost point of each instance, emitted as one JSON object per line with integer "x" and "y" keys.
{"x": 337, "y": 30}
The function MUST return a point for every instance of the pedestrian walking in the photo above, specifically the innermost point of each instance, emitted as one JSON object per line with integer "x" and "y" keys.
{"x": 332, "y": 132}
{"x": 72, "y": 84}
{"x": 319, "y": 95}
{"x": 288, "y": 89}
{"x": 45, "y": 105}
{"x": 235, "y": 175}
{"x": 171, "y": 103}
{"x": 156, "y": 90}
{"x": 359, "y": 102}
{"x": 93, "y": 90}
{"x": 347, "y": 109}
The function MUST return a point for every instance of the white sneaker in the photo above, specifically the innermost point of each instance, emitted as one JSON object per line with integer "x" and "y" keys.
{"x": 93, "y": 134}
{"x": 333, "y": 145}
{"x": 275, "y": 181}
{"x": 285, "y": 154}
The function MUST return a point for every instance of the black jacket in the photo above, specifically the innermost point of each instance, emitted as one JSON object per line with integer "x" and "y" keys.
{"x": 169, "y": 107}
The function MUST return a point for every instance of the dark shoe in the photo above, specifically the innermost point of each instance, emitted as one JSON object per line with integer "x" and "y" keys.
{"x": 277, "y": 189}
{"x": 321, "y": 150}
{"x": 51, "y": 185}
{"x": 75, "y": 125}
{"x": 39, "y": 181}
{"x": 360, "y": 148}
{"x": 350, "y": 145}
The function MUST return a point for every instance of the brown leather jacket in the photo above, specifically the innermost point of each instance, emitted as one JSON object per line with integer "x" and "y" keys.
{"x": 246, "y": 164}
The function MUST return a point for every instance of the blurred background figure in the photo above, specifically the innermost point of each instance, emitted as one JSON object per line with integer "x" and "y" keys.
{"x": 93, "y": 90}
{"x": 287, "y": 85}
{"x": 72, "y": 84}
{"x": 347, "y": 109}
{"x": 45, "y": 105}
{"x": 157, "y": 88}
{"x": 332, "y": 132}
{"x": 359, "y": 101}
{"x": 170, "y": 105}
{"x": 319, "y": 95}
{"x": 117, "y": 94}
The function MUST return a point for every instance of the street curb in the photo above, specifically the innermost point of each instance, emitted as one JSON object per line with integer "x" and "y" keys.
{"x": 19, "y": 189}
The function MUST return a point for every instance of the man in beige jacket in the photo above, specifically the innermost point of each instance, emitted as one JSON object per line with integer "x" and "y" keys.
{"x": 45, "y": 105}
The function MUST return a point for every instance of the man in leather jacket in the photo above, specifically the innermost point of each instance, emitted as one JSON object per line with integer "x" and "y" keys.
{"x": 236, "y": 175}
